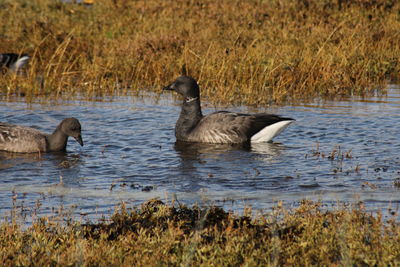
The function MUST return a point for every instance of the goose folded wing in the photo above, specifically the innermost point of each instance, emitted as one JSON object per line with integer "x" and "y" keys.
{"x": 21, "y": 139}
{"x": 223, "y": 127}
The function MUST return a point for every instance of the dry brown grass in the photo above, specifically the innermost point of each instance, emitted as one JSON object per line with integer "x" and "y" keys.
{"x": 252, "y": 52}
{"x": 159, "y": 235}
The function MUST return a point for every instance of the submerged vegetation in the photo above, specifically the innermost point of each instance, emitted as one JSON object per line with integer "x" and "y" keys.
{"x": 251, "y": 52}
{"x": 160, "y": 234}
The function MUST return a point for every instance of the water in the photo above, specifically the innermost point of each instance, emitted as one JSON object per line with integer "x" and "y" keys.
{"x": 130, "y": 156}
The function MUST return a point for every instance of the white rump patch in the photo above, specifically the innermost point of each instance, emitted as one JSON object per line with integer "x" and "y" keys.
{"x": 20, "y": 63}
{"x": 269, "y": 132}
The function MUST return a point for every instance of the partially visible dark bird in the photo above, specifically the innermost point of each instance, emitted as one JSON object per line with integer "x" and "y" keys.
{"x": 13, "y": 62}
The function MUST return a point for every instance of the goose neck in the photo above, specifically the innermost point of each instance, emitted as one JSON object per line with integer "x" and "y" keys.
{"x": 189, "y": 118}
{"x": 191, "y": 108}
{"x": 57, "y": 141}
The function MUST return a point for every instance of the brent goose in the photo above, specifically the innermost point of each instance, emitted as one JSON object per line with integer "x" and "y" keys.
{"x": 221, "y": 126}
{"x": 15, "y": 138}
{"x": 12, "y": 61}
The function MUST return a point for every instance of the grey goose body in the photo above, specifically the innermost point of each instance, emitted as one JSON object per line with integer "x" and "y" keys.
{"x": 221, "y": 126}
{"x": 12, "y": 61}
{"x": 21, "y": 139}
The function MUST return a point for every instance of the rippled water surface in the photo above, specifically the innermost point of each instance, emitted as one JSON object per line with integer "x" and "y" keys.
{"x": 335, "y": 151}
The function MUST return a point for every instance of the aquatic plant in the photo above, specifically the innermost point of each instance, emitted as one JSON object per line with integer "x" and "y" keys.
{"x": 252, "y": 52}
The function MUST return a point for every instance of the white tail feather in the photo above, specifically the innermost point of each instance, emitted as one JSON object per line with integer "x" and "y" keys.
{"x": 19, "y": 63}
{"x": 269, "y": 132}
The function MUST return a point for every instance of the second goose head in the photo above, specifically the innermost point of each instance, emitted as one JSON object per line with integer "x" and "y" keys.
{"x": 72, "y": 127}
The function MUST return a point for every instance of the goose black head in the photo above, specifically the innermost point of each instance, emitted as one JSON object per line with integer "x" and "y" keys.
{"x": 72, "y": 127}
{"x": 186, "y": 86}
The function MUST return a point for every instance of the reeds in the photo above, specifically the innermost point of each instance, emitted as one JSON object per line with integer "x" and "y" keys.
{"x": 159, "y": 234}
{"x": 252, "y": 52}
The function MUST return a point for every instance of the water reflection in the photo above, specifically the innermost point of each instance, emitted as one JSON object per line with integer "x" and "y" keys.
{"x": 198, "y": 162}
{"x": 8, "y": 160}
{"x": 269, "y": 150}
{"x": 194, "y": 151}
{"x": 57, "y": 159}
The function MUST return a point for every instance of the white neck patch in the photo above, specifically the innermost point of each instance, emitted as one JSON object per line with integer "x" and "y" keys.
{"x": 190, "y": 99}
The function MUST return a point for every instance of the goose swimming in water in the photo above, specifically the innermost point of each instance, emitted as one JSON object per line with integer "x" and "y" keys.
{"x": 12, "y": 61}
{"x": 221, "y": 126}
{"x": 21, "y": 139}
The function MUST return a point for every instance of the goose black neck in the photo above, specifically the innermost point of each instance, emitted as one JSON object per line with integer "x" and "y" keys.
{"x": 57, "y": 141}
{"x": 189, "y": 118}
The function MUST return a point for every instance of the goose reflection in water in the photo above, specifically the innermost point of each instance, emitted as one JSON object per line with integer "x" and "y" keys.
{"x": 197, "y": 151}
{"x": 211, "y": 169}
{"x": 53, "y": 164}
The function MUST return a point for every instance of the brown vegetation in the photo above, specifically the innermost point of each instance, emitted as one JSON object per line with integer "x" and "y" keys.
{"x": 159, "y": 235}
{"x": 252, "y": 52}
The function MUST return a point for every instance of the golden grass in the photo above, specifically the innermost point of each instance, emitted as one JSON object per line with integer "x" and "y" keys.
{"x": 159, "y": 235}
{"x": 251, "y": 52}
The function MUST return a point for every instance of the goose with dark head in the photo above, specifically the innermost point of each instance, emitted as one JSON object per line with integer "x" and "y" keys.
{"x": 221, "y": 126}
{"x": 21, "y": 139}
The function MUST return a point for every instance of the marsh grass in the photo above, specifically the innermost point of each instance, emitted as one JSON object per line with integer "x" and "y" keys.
{"x": 250, "y": 52}
{"x": 157, "y": 234}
